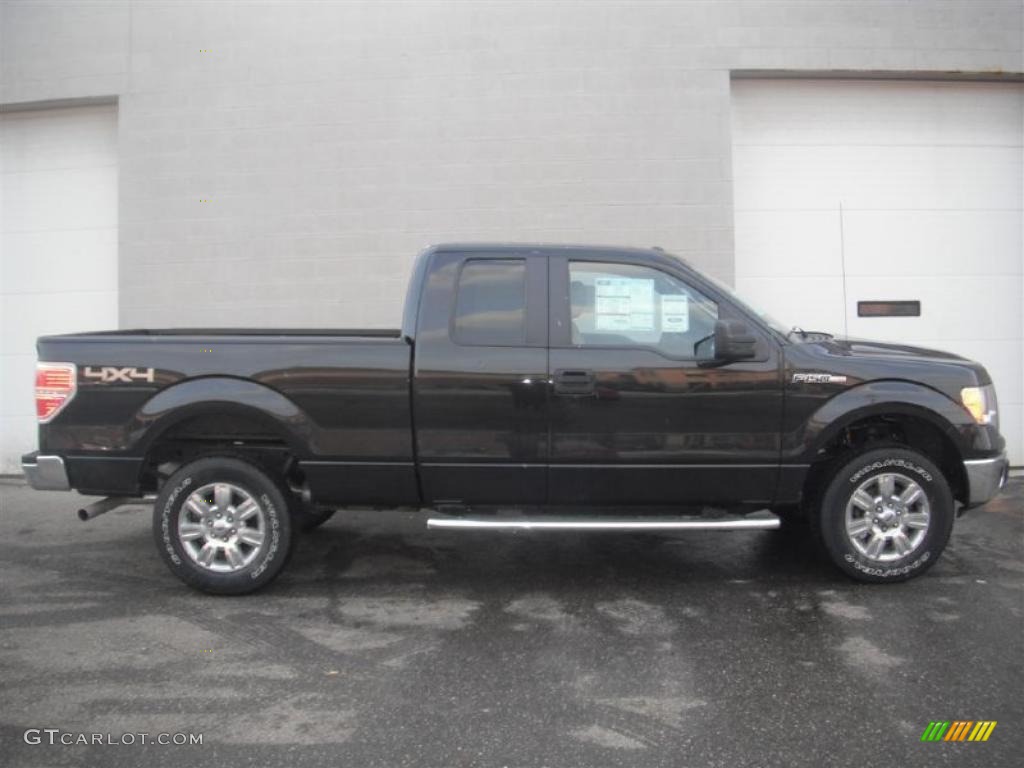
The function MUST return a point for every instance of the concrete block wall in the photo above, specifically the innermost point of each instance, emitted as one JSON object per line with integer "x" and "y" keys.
{"x": 282, "y": 163}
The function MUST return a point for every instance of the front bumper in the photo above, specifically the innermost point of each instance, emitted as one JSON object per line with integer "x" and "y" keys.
{"x": 45, "y": 473}
{"x": 985, "y": 477}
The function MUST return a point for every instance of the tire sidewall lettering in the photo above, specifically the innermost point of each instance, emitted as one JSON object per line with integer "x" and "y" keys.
{"x": 167, "y": 514}
{"x": 274, "y": 523}
{"x": 889, "y": 464}
{"x": 884, "y": 573}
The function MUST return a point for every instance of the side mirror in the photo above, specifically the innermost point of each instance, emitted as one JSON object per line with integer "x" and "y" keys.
{"x": 734, "y": 341}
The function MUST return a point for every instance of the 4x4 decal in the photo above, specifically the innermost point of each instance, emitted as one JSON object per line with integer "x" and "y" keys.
{"x": 110, "y": 374}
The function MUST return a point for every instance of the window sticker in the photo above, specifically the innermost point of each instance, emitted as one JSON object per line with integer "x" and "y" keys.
{"x": 675, "y": 313}
{"x": 623, "y": 304}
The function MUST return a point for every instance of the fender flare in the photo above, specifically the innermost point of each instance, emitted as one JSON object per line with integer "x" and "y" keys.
{"x": 889, "y": 396}
{"x": 221, "y": 395}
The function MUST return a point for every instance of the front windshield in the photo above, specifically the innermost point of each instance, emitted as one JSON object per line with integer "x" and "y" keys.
{"x": 728, "y": 290}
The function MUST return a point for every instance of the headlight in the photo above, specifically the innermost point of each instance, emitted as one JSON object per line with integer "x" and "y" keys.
{"x": 980, "y": 402}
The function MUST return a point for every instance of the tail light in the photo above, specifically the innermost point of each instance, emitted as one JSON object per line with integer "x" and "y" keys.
{"x": 56, "y": 384}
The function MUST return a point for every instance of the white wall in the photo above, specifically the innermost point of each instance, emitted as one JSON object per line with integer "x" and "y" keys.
{"x": 58, "y": 246}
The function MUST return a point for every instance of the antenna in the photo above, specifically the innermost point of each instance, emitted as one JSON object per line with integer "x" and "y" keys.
{"x": 842, "y": 261}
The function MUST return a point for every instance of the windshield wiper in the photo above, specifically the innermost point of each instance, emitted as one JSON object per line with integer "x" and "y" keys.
{"x": 804, "y": 334}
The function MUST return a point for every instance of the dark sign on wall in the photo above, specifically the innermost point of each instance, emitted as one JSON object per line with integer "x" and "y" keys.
{"x": 888, "y": 309}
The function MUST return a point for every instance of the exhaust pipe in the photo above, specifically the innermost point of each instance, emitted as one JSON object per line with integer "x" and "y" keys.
{"x": 303, "y": 492}
{"x": 97, "y": 508}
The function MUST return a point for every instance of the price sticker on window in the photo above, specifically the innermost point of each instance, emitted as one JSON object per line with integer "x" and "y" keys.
{"x": 675, "y": 313}
{"x": 624, "y": 304}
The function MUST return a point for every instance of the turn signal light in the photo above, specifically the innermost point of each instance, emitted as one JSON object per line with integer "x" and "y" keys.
{"x": 980, "y": 402}
{"x": 56, "y": 384}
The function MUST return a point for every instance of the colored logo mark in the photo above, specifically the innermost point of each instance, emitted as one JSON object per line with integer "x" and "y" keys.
{"x": 958, "y": 730}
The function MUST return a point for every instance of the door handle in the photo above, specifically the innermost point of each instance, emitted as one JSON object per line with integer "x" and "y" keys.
{"x": 575, "y": 382}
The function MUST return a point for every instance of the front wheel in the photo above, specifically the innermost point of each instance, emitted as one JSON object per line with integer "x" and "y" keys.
{"x": 223, "y": 526}
{"x": 885, "y": 515}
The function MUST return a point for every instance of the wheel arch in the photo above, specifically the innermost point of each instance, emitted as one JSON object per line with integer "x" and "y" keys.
{"x": 906, "y": 413}
{"x": 236, "y": 410}
{"x": 220, "y": 395}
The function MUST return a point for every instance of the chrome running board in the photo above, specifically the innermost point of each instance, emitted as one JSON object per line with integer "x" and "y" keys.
{"x": 757, "y": 521}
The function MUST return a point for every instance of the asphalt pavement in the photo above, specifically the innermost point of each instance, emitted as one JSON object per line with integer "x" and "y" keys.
{"x": 383, "y": 644}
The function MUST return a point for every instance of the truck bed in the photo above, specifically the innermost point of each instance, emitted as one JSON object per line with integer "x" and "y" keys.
{"x": 340, "y": 396}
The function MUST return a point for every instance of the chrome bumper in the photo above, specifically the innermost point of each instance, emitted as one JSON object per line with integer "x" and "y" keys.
{"x": 985, "y": 477}
{"x": 45, "y": 473}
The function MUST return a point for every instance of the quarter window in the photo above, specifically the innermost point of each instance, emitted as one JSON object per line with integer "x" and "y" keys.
{"x": 490, "y": 306}
{"x": 628, "y": 305}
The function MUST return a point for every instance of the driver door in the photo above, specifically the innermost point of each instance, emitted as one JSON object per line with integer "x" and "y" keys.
{"x": 635, "y": 417}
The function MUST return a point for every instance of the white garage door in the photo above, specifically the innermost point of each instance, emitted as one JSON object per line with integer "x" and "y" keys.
{"x": 915, "y": 188}
{"x": 58, "y": 246}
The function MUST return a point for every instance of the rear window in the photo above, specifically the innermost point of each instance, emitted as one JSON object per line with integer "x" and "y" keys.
{"x": 490, "y": 303}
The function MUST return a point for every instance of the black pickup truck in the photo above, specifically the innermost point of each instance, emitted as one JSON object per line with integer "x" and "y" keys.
{"x": 530, "y": 387}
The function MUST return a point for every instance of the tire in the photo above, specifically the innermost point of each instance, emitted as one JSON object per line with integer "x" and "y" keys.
{"x": 198, "y": 521}
{"x": 884, "y": 515}
{"x": 311, "y": 519}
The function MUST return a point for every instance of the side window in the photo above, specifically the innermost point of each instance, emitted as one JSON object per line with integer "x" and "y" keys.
{"x": 490, "y": 303}
{"x": 615, "y": 305}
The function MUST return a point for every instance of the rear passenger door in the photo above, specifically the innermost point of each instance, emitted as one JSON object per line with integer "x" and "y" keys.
{"x": 480, "y": 379}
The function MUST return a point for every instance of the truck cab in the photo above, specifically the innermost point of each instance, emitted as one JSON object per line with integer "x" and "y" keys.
{"x": 568, "y": 377}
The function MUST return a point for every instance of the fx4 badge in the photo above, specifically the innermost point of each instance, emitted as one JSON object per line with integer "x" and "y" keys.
{"x": 110, "y": 375}
{"x": 818, "y": 378}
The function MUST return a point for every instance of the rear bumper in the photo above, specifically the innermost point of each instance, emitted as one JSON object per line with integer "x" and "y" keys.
{"x": 90, "y": 475}
{"x": 985, "y": 477}
{"x": 45, "y": 473}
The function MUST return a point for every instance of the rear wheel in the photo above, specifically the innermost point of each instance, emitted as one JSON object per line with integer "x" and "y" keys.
{"x": 884, "y": 515}
{"x": 223, "y": 525}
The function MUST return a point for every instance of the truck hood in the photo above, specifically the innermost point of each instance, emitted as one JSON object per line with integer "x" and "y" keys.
{"x": 862, "y": 360}
{"x": 890, "y": 351}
